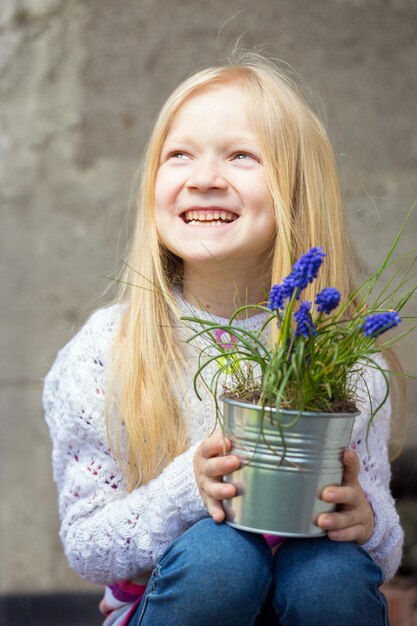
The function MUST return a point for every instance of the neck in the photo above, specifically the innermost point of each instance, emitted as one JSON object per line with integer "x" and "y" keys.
{"x": 220, "y": 294}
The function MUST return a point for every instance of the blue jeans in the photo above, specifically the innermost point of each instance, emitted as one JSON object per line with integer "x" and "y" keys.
{"x": 216, "y": 575}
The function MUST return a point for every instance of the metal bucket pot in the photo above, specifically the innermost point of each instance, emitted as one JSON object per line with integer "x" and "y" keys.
{"x": 282, "y": 498}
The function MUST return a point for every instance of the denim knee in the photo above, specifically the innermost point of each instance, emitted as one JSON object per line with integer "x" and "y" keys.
{"x": 215, "y": 558}
{"x": 212, "y": 573}
{"x": 321, "y": 583}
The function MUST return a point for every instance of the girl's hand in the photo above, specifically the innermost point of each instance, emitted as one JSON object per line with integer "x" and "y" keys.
{"x": 354, "y": 519}
{"x": 210, "y": 465}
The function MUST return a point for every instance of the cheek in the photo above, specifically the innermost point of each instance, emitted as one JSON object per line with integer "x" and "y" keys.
{"x": 160, "y": 193}
{"x": 260, "y": 199}
{"x": 256, "y": 191}
{"x": 266, "y": 216}
{"x": 269, "y": 230}
{"x": 266, "y": 196}
{"x": 162, "y": 224}
{"x": 168, "y": 184}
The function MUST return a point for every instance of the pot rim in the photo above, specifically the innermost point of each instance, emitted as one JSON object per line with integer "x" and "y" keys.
{"x": 294, "y": 412}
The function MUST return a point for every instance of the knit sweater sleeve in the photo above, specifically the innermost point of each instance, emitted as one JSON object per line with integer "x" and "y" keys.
{"x": 385, "y": 544}
{"x": 108, "y": 534}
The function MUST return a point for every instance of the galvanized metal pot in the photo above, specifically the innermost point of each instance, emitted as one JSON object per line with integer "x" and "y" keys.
{"x": 282, "y": 497}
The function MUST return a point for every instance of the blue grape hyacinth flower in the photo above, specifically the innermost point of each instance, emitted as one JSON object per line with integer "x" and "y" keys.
{"x": 305, "y": 270}
{"x": 276, "y": 298}
{"x": 327, "y": 300}
{"x": 305, "y": 325}
{"x": 378, "y": 323}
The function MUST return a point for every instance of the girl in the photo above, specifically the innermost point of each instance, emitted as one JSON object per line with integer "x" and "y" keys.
{"x": 238, "y": 180}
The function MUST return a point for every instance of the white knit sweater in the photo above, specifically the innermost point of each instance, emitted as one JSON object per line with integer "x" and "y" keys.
{"x": 109, "y": 534}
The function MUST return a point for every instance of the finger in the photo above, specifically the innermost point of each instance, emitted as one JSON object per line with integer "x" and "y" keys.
{"x": 215, "y": 509}
{"x": 220, "y": 491}
{"x": 353, "y": 533}
{"x": 351, "y": 467}
{"x": 221, "y": 466}
{"x": 215, "y": 445}
{"x": 340, "y": 520}
{"x": 349, "y": 496}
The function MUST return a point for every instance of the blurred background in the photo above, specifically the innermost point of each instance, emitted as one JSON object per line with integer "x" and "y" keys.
{"x": 80, "y": 85}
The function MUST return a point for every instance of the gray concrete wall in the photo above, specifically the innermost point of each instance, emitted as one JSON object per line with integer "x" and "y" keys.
{"x": 80, "y": 83}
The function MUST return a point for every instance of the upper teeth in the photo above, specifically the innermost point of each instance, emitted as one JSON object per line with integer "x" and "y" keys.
{"x": 209, "y": 216}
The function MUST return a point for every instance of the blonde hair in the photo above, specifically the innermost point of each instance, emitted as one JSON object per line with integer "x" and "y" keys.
{"x": 147, "y": 358}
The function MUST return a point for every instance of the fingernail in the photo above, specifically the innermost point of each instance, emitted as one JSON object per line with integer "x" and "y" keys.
{"x": 329, "y": 495}
{"x": 334, "y": 534}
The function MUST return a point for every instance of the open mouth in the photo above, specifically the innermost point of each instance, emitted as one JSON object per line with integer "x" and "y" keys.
{"x": 208, "y": 217}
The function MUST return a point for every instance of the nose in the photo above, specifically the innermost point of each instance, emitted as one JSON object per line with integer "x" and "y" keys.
{"x": 206, "y": 175}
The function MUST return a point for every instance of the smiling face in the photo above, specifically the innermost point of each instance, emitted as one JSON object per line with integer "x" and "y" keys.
{"x": 212, "y": 200}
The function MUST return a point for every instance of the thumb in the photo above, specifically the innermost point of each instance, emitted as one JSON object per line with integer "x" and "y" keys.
{"x": 351, "y": 467}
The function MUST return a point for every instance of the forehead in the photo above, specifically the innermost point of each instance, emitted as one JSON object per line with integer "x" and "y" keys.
{"x": 222, "y": 104}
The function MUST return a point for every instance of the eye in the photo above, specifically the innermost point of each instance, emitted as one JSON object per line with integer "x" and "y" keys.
{"x": 245, "y": 156}
{"x": 178, "y": 154}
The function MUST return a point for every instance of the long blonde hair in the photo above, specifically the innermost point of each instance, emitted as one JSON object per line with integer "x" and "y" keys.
{"x": 147, "y": 359}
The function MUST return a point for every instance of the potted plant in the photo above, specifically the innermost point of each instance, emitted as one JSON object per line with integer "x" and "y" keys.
{"x": 289, "y": 404}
